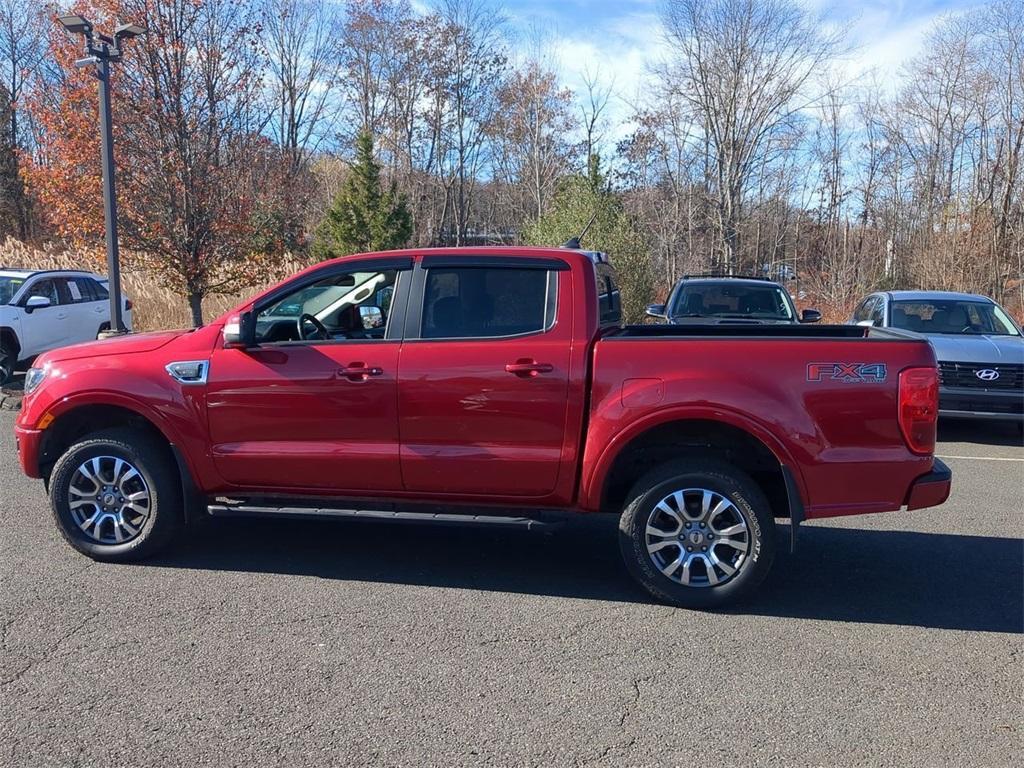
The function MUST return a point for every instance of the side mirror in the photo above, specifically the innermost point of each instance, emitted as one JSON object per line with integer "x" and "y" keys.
{"x": 656, "y": 310}
{"x": 810, "y": 316}
{"x": 36, "y": 302}
{"x": 371, "y": 316}
{"x": 239, "y": 332}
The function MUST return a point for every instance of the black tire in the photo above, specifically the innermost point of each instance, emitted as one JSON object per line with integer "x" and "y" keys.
{"x": 102, "y": 328}
{"x": 746, "y": 498}
{"x": 154, "y": 463}
{"x": 7, "y": 362}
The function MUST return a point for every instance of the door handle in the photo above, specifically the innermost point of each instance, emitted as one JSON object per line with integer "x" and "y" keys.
{"x": 359, "y": 372}
{"x": 527, "y": 367}
{"x": 62, "y": 316}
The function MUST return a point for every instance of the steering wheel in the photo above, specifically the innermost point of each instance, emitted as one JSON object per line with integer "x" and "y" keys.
{"x": 321, "y": 330}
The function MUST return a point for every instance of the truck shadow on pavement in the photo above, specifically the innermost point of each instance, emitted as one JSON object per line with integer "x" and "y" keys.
{"x": 837, "y": 574}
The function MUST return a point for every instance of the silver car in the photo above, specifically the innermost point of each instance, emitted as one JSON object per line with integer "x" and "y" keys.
{"x": 979, "y": 347}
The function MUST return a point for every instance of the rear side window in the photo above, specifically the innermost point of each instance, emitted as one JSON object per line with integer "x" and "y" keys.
{"x": 101, "y": 290}
{"x": 476, "y": 302}
{"x": 609, "y": 301}
{"x": 82, "y": 289}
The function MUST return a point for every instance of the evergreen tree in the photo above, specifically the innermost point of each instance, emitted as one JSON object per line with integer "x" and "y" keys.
{"x": 364, "y": 217}
{"x": 613, "y": 231}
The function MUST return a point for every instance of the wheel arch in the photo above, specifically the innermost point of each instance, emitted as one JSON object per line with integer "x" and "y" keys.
{"x": 9, "y": 335}
{"x": 715, "y": 434}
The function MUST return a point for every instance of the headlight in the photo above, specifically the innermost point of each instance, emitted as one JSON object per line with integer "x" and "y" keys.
{"x": 33, "y": 379}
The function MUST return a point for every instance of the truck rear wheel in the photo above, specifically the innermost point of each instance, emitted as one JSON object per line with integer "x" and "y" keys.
{"x": 116, "y": 496}
{"x": 697, "y": 534}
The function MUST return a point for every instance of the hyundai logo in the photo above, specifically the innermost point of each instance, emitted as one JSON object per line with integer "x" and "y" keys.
{"x": 987, "y": 374}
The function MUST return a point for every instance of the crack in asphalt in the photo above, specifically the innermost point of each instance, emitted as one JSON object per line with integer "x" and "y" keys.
{"x": 48, "y": 653}
{"x": 629, "y": 708}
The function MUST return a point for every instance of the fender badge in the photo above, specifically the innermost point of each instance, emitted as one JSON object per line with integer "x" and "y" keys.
{"x": 846, "y": 372}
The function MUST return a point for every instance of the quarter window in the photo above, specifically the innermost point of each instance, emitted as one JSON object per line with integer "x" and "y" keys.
{"x": 477, "y": 302}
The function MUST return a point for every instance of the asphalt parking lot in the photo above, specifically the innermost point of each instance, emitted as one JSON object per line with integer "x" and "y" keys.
{"x": 885, "y": 640}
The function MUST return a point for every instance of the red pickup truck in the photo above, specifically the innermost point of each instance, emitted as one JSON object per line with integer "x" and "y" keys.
{"x": 486, "y": 384}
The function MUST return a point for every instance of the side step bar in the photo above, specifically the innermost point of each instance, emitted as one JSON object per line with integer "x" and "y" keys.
{"x": 540, "y": 521}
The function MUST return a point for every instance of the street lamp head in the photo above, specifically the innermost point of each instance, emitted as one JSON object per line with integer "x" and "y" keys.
{"x": 76, "y": 25}
{"x": 128, "y": 31}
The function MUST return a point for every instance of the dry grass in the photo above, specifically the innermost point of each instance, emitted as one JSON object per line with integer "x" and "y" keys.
{"x": 156, "y": 306}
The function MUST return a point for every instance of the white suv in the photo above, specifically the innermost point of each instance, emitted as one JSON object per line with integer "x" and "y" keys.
{"x": 41, "y": 310}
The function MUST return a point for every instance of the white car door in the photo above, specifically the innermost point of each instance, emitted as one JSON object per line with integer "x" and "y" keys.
{"x": 43, "y": 328}
{"x": 87, "y": 310}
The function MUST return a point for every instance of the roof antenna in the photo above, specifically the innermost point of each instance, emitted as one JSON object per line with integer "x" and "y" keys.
{"x": 574, "y": 242}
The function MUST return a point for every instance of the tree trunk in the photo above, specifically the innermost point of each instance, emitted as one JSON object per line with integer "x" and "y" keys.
{"x": 195, "y": 304}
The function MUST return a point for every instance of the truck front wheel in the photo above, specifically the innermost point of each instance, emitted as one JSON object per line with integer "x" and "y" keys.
{"x": 697, "y": 534}
{"x": 116, "y": 496}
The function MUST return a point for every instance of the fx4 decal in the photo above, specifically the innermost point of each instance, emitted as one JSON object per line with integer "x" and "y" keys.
{"x": 848, "y": 372}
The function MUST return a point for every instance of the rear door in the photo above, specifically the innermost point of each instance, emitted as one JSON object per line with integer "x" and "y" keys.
{"x": 87, "y": 310}
{"x": 483, "y": 376}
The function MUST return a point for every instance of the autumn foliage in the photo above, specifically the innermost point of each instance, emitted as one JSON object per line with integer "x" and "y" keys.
{"x": 196, "y": 176}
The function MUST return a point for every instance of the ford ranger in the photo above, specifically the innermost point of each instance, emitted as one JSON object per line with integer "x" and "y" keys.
{"x": 487, "y": 385}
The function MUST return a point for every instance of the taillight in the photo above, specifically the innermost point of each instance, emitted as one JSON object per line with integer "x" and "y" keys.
{"x": 919, "y": 408}
{"x": 128, "y": 304}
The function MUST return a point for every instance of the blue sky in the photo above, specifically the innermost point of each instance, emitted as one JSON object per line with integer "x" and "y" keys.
{"x": 620, "y": 37}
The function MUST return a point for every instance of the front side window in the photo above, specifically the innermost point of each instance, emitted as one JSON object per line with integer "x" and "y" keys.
{"x": 952, "y": 317}
{"x": 350, "y": 305}
{"x": 875, "y": 315}
{"x": 767, "y": 302}
{"x": 46, "y": 288}
{"x": 474, "y": 302}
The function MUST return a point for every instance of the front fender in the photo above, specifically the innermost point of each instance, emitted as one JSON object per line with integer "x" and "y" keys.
{"x": 179, "y": 413}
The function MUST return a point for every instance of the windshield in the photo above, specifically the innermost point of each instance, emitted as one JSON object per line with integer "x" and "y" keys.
{"x": 766, "y": 302}
{"x": 8, "y": 287}
{"x": 952, "y": 316}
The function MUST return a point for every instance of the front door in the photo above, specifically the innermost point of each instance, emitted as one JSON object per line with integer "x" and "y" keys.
{"x": 45, "y": 328}
{"x": 314, "y": 404}
{"x": 483, "y": 385}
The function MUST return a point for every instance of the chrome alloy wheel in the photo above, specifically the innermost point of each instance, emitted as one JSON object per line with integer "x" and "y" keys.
{"x": 697, "y": 537}
{"x": 109, "y": 500}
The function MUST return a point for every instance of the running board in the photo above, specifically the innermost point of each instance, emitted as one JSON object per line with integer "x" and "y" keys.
{"x": 541, "y": 521}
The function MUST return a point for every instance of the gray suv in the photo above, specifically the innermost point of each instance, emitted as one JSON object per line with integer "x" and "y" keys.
{"x": 979, "y": 347}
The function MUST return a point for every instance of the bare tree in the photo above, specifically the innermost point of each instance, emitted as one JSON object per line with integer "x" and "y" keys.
{"x": 593, "y": 112}
{"x": 302, "y": 67}
{"x": 745, "y": 67}
{"x": 22, "y": 48}
{"x": 472, "y": 63}
{"x": 530, "y": 132}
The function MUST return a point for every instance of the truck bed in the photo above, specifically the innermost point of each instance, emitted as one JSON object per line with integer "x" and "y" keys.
{"x": 752, "y": 331}
{"x": 824, "y": 399}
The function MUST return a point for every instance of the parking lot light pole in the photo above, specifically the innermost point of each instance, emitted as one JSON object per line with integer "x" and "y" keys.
{"x": 102, "y": 50}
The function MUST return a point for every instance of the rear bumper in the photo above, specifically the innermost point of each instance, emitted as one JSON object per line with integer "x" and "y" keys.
{"x": 975, "y": 403}
{"x": 931, "y": 489}
{"x": 28, "y": 441}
